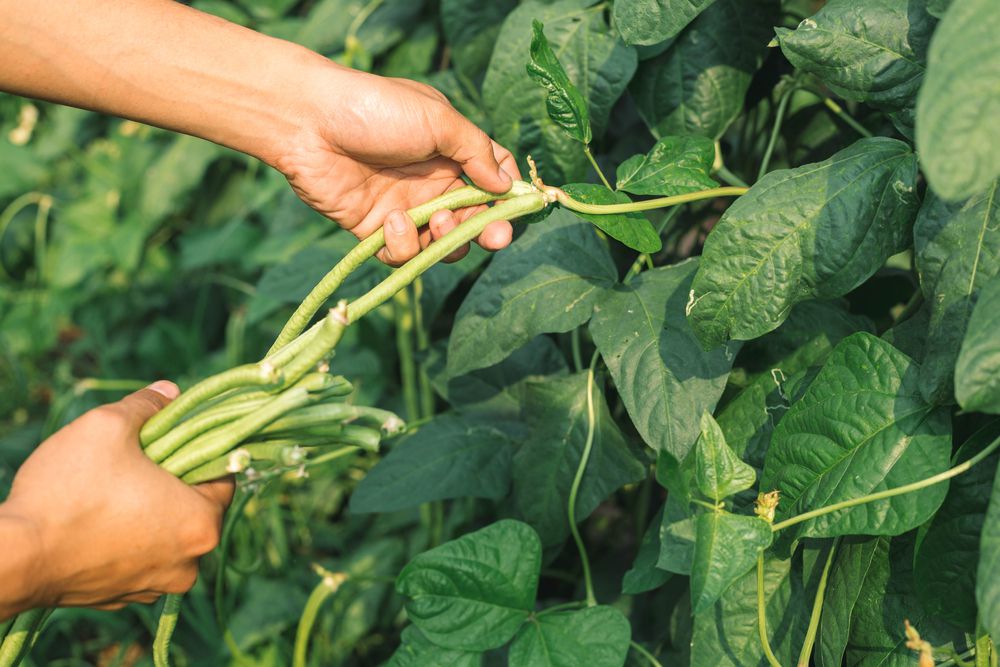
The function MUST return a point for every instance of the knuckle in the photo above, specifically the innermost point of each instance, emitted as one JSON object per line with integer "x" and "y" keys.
{"x": 203, "y": 532}
{"x": 183, "y": 581}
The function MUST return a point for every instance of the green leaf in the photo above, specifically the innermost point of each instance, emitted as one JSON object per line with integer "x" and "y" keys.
{"x": 871, "y": 52}
{"x": 600, "y": 65}
{"x": 988, "y": 574}
{"x": 958, "y": 110}
{"x": 666, "y": 380}
{"x": 977, "y": 372}
{"x": 819, "y": 230}
{"x": 471, "y": 28}
{"x": 957, "y": 252}
{"x": 632, "y": 229}
{"x": 937, "y": 8}
{"x": 726, "y": 546}
{"x": 718, "y": 471}
{"x": 564, "y": 103}
{"x": 474, "y": 593}
{"x": 673, "y": 166}
{"x": 596, "y": 637}
{"x": 325, "y": 29}
{"x": 861, "y": 427}
{"x": 648, "y": 22}
{"x": 546, "y": 463}
{"x": 677, "y": 537}
{"x": 418, "y": 651}
{"x": 848, "y": 574}
{"x": 547, "y": 281}
{"x": 451, "y": 456}
{"x": 697, "y": 85}
{"x": 728, "y": 636}
{"x": 948, "y": 546}
{"x": 644, "y": 575}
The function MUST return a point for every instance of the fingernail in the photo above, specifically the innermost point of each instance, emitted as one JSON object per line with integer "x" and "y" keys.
{"x": 166, "y": 388}
{"x": 397, "y": 223}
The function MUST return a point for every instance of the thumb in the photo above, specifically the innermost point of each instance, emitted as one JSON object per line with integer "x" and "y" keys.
{"x": 145, "y": 403}
{"x": 469, "y": 146}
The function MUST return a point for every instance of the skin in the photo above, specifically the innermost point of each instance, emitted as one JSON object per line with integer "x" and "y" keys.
{"x": 90, "y": 520}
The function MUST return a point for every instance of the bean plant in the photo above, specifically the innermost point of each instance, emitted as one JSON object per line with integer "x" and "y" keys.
{"x": 731, "y": 406}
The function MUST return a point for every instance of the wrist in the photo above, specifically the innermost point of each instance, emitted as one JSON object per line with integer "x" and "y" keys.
{"x": 22, "y": 581}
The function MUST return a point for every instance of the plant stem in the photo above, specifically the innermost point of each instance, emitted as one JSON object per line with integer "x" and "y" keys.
{"x": 574, "y": 344}
{"x": 8, "y": 214}
{"x": 839, "y": 112}
{"x": 165, "y": 629}
{"x": 638, "y": 648}
{"x": 423, "y": 343}
{"x": 762, "y": 614}
{"x": 331, "y": 456}
{"x": 779, "y": 118}
{"x": 435, "y": 252}
{"x": 647, "y": 204}
{"x": 817, "y": 610}
{"x": 730, "y": 178}
{"x": 597, "y": 168}
{"x": 889, "y": 493}
{"x": 575, "y": 604}
{"x": 404, "y": 350}
{"x": 578, "y": 479}
{"x": 327, "y": 586}
{"x": 366, "y": 249}
{"x": 20, "y": 636}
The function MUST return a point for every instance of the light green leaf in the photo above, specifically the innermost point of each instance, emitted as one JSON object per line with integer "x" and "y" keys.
{"x": 726, "y": 546}
{"x": 957, "y": 252}
{"x": 565, "y": 105}
{"x": 718, "y": 471}
{"x": 673, "y": 166}
{"x": 644, "y": 575}
{"x": 861, "y": 427}
{"x": 697, "y": 85}
{"x": 545, "y": 465}
{"x": 664, "y": 377}
{"x": 977, "y": 372}
{"x": 958, "y": 109}
{"x": 652, "y": 21}
{"x": 471, "y": 28}
{"x": 474, "y": 593}
{"x": 631, "y": 229}
{"x": 948, "y": 546}
{"x": 417, "y": 651}
{"x": 451, "y": 456}
{"x": 819, "y": 230}
{"x": 988, "y": 574}
{"x": 596, "y": 637}
{"x": 872, "y": 52}
{"x": 600, "y": 65}
{"x": 547, "y": 281}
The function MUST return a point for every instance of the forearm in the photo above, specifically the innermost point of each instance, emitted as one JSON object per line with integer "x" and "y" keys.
{"x": 19, "y": 564}
{"x": 162, "y": 63}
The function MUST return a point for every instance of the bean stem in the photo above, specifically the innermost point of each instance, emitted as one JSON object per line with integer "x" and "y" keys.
{"x": 779, "y": 118}
{"x": 404, "y": 350}
{"x": 641, "y": 650}
{"x": 597, "y": 167}
{"x": 762, "y": 614}
{"x": 327, "y": 586}
{"x": 817, "y": 610}
{"x": 578, "y": 480}
{"x": 889, "y": 493}
{"x": 165, "y": 629}
{"x": 647, "y": 204}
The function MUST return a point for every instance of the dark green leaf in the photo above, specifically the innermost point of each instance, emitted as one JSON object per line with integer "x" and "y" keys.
{"x": 474, "y": 593}
{"x": 417, "y": 651}
{"x": 870, "y": 52}
{"x": 632, "y": 229}
{"x": 988, "y": 574}
{"x": 854, "y": 559}
{"x": 596, "y": 637}
{"x": 677, "y": 536}
{"x": 697, "y": 85}
{"x": 957, "y": 252}
{"x": 471, "y": 28}
{"x": 726, "y": 546}
{"x": 861, "y": 427}
{"x": 673, "y": 166}
{"x": 599, "y": 64}
{"x": 449, "y": 457}
{"x": 546, "y": 463}
{"x": 644, "y": 575}
{"x": 718, "y": 471}
{"x": 547, "y": 281}
{"x": 652, "y": 21}
{"x": 664, "y": 377}
{"x": 816, "y": 231}
{"x": 958, "y": 110}
{"x": 977, "y": 373}
{"x": 565, "y": 105}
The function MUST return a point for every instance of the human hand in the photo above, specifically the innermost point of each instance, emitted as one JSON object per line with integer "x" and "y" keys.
{"x": 104, "y": 525}
{"x": 372, "y": 147}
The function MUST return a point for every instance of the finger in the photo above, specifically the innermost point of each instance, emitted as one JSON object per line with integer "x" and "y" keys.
{"x": 219, "y": 491}
{"x": 440, "y": 224}
{"x": 496, "y": 236}
{"x": 507, "y": 161}
{"x": 401, "y": 242}
{"x": 145, "y": 403}
{"x": 470, "y": 147}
